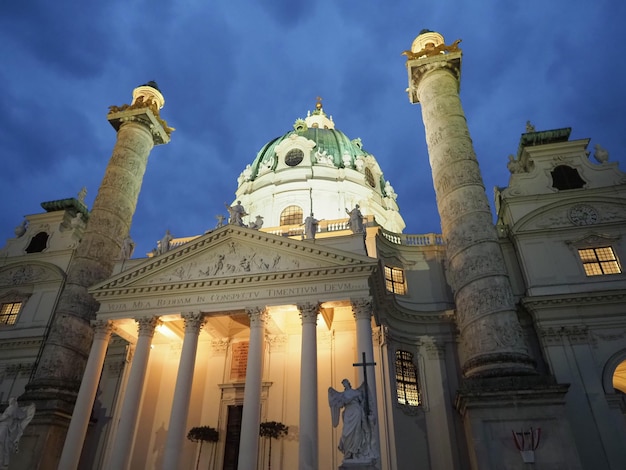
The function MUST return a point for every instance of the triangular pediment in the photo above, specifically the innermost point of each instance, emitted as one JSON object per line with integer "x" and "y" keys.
{"x": 230, "y": 253}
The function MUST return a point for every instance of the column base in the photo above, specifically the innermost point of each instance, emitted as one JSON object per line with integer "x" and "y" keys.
{"x": 369, "y": 464}
{"x": 505, "y": 417}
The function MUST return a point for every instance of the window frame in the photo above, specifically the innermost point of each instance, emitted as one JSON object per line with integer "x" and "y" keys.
{"x": 407, "y": 380}
{"x": 600, "y": 262}
{"x": 393, "y": 285}
{"x": 292, "y": 215}
{"x": 6, "y": 316}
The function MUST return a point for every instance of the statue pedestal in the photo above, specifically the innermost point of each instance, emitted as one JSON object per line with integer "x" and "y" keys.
{"x": 358, "y": 465}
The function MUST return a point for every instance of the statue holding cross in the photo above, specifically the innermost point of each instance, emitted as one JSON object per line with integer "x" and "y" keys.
{"x": 357, "y": 438}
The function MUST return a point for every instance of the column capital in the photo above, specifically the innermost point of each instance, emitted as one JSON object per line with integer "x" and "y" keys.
{"x": 308, "y": 312}
{"x": 419, "y": 68}
{"x": 146, "y": 325}
{"x": 433, "y": 348}
{"x": 194, "y": 321}
{"x": 361, "y": 308}
{"x": 144, "y": 110}
{"x": 102, "y": 329}
{"x": 257, "y": 315}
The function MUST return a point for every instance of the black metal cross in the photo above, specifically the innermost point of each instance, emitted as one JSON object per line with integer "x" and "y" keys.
{"x": 364, "y": 364}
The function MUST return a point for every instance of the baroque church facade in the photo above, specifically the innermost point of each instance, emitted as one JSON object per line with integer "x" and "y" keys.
{"x": 489, "y": 346}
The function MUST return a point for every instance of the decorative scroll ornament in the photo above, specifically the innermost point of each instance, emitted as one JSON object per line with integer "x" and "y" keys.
{"x": 527, "y": 442}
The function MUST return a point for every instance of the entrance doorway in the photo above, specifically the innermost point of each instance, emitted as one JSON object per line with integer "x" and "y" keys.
{"x": 233, "y": 433}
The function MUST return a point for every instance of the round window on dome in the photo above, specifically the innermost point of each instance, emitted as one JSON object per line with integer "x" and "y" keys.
{"x": 369, "y": 177}
{"x": 294, "y": 157}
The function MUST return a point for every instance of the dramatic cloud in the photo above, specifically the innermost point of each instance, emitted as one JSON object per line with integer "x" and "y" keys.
{"x": 236, "y": 74}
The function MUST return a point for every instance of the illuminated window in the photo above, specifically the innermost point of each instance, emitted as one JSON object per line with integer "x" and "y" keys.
{"x": 406, "y": 379}
{"x": 394, "y": 280}
{"x": 369, "y": 177}
{"x": 9, "y": 312}
{"x": 599, "y": 261}
{"x": 292, "y": 215}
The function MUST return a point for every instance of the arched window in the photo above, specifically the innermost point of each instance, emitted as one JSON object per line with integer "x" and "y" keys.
{"x": 292, "y": 215}
{"x": 406, "y": 379}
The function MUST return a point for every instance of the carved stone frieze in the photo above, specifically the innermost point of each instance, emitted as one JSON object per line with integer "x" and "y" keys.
{"x": 277, "y": 343}
{"x": 25, "y": 274}
{"x": 464, "y": 172}
{"x": 220, "y": 345}
{"x": 491, "y": 335}
{"x": 490, "y": 295}
{"x": 575, "y": 334}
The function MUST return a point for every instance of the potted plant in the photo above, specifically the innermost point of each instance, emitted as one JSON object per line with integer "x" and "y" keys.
{"x": 272, "y": 430}
{"x": 202, "y": 434}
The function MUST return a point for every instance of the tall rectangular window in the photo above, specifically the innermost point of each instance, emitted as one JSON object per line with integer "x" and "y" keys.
{"x": 406, "y": 379}
{"x": 599, "y": 261}
{"x": 9, "y": 312}
{"x": 394, "y": 280}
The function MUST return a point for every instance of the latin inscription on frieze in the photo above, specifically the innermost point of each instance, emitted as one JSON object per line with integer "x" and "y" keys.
{"x": 272, "y": 293}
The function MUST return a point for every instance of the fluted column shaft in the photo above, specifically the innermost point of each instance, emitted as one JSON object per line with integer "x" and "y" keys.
{"x": 182, "y": 393}
{"x": 251, "y": 414}
{"x": 309, "y": 441}
{"x": 491, "y": 336}
{"x": 75, "y": 438}
{"x": 121, "y": 451}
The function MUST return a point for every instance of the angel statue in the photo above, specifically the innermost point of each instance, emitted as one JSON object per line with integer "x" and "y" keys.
{"x": 357, "y": 440}
{"x": 12, "y": 424}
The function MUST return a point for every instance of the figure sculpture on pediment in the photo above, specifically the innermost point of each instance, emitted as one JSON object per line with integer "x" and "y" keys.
{"x": 530, "y": 127}
{"x": 258, "y": 223}
{"x": 21, "y": 229}
{"x": 220, "y": 220}
{"x": 356, "y": 220}
{"x": 514, "y": 166}
{"x": 389, "y": 191}
{"x": 600, "y": 154}
{"x": 236, "y": 214}
{"x": 128, "y": 247}
{"x": 357, "y": 439}
{"x": 13, "y": 421}
{"x": 82, "y": 194}
{"x": 163, "y": 245}
{"x": 311, "y": 225}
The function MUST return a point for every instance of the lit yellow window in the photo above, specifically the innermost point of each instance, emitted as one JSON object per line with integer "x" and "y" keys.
{"x": 599, "y": 261}
{"x": 394, "y": 280}
{"x": 9, "y": 312}
{"x": 406, "y": 379}
{"x": 292, "y": 215}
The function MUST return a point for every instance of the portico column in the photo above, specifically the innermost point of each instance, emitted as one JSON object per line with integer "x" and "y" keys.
{"x": 182, "y": 393}
{"x": 251, "y": 414}
{"x": 120, "y": 453}
{"x": 362, "y": 311}
{"x": 308, "y": 444}
{"x": 75, "y": 438}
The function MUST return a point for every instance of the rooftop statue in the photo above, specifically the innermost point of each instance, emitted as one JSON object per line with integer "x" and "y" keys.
{"x": 236, "y": 214}
{"x": 356, "y": 220}
{"x": 311, "y": 225}
{"x": 430, "y": 50}
{"x": 600, "y": 154}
